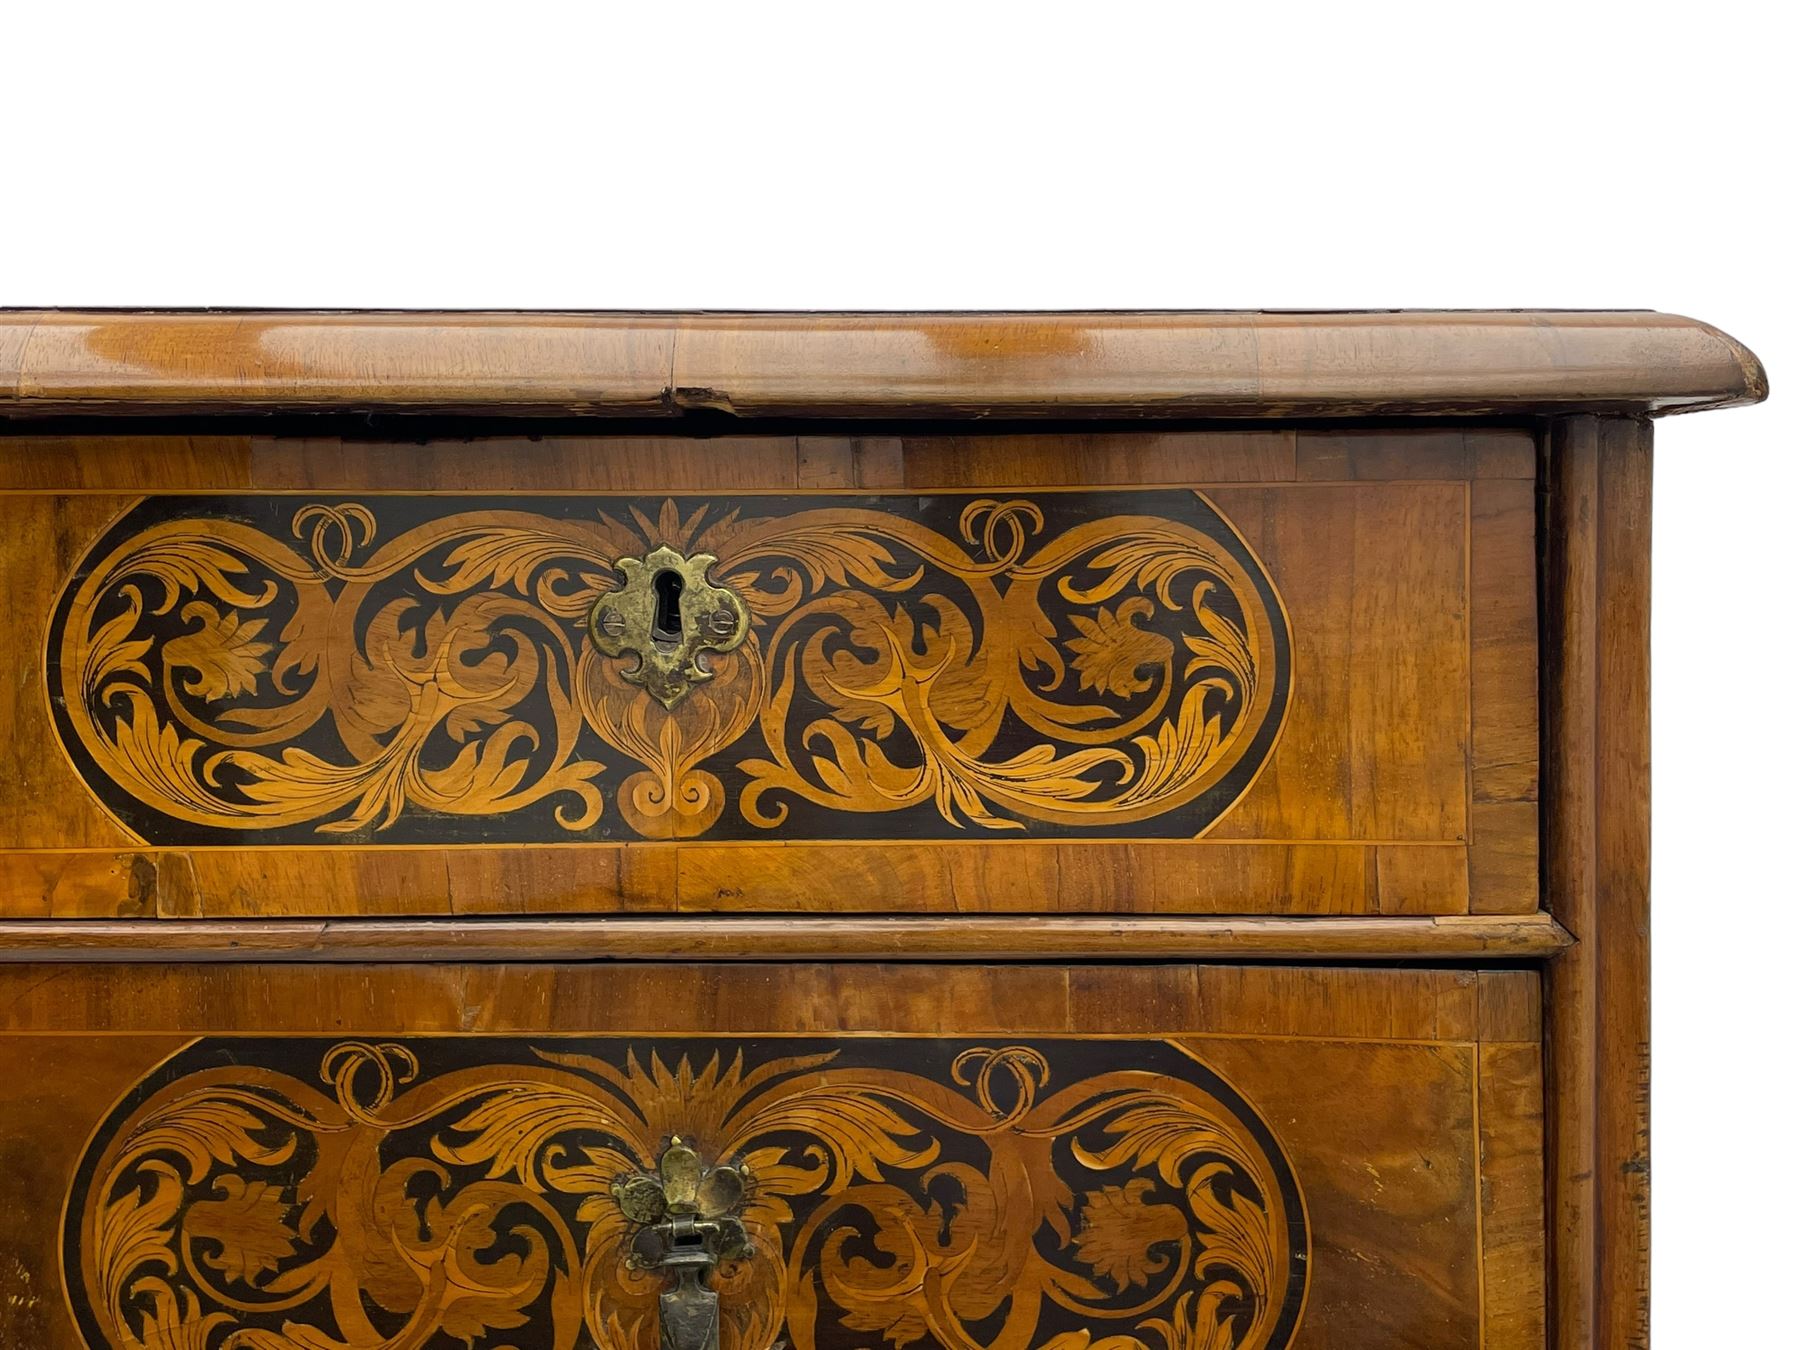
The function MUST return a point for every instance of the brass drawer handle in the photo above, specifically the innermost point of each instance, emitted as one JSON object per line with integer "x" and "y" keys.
{"x": 669, "y": 616}
{"x": 687, "y": 1224}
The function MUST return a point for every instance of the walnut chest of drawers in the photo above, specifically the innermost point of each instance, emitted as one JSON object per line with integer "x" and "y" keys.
{"x": 1031, "y": 832}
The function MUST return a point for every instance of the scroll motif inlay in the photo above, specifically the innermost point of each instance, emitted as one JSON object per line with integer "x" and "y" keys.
{"x": 305, "y": 1194}
{"x": 420, "y": 669}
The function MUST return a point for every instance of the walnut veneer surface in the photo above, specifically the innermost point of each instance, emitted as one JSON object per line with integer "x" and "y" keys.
{"x": 1019, "y": 831}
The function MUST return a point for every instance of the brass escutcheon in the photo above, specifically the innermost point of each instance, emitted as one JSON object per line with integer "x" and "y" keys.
{"x": 669, "y": 616}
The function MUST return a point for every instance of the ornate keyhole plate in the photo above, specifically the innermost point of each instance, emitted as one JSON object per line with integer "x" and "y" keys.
{"x": 669, "y": 616}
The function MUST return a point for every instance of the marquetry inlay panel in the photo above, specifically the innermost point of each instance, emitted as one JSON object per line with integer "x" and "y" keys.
{"x": 424, "y": 669}
{"x": 320, "y": 1194}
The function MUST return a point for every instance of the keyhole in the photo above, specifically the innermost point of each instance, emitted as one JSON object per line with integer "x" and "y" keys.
{"x": 665, "y": 626}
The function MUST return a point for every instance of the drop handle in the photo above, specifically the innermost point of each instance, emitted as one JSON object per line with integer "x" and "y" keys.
{"x": 687, "y": 1225}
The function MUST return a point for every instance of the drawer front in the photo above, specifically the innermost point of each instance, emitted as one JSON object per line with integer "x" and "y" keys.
{"x": 1173, "y": 1156}
{"x": 1304, "y": 682}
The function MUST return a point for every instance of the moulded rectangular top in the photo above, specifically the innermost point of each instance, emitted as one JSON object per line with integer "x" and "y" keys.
{"x": 1196, "y": 364}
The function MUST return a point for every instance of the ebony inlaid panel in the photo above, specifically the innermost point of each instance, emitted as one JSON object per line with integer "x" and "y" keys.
{"x": 433, "y": 1191}
{"x": 417, "y": 669}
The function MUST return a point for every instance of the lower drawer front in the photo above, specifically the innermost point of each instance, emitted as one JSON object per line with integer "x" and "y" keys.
{"x": 1178, "y": 1157}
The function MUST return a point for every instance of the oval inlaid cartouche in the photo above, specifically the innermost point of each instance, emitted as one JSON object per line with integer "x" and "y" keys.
{"x": 297, "y": 1191}
{"x": 420, "y": 669}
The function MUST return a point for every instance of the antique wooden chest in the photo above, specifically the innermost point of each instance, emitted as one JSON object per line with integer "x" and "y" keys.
{"x": 1031, "y": 832}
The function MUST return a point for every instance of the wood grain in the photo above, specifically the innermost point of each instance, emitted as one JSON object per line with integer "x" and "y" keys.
{"x": 1023, "y": 365}
{"x": 1362, "y": 1002}
{"x": 1512, "y": 1195}
{"x": 187, "y": 361}
{"x": 1373, "y": 577}
{"x": 1620, "y": 938}
{"x": 1572, "y": 634}
{"x": 1348, "y": 454}
{"x": 573, "y": 879}
{"x": 1598, "y": 842}
{"x": 1127, "y": 878}
{"x": 1076, "y": 458}
{"x": 902, "y": 456}
{"x": 42, "y": 800}
{"x": 992, "y": 878}
{"x": 1510, "y": 1002}
{"x": 1134, "y": 877}
{"x": 1597, "y": 729}
{"x": 791, "y": 938}
{"x": 1503, "y": 696}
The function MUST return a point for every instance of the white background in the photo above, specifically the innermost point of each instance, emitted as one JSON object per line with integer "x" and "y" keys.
{"x": 1111, "y": 155}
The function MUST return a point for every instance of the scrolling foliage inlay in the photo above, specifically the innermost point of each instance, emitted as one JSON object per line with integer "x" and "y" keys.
{"x": 274, "y": 1194}
{"x": 417, "y": 669}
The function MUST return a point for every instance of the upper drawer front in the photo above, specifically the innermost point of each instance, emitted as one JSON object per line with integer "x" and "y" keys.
{"x": 1141, "y": 1157}
{"x": 1302, "y": 682}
